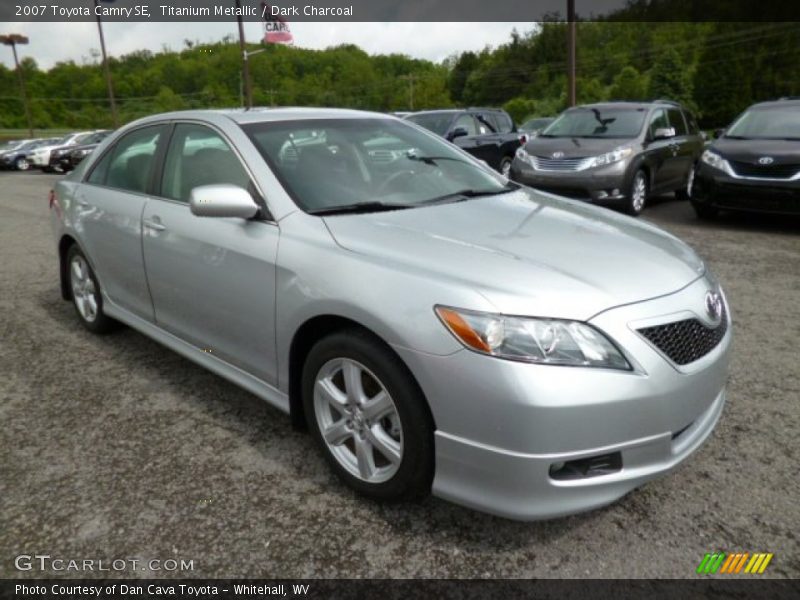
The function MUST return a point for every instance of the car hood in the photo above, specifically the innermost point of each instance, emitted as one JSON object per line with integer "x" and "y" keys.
{"x": 527, "y": 252}
{"x": 781, "y": 151}
{"x": 574, "y": 147}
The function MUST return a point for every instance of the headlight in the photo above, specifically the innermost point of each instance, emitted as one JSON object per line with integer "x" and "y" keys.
{"x": 523, "y": 155}
{"x": 608, "y": 158}
{"x": 713, "y": 159}
{"x": 543, "y": 341}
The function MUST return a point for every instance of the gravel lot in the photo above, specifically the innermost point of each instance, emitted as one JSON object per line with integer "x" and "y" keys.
{"x": 114, "y": 447}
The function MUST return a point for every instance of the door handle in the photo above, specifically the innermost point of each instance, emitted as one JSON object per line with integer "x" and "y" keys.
{"x": 154, "y": 224}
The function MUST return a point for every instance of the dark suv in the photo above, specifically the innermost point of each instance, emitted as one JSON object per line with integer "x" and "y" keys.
{"x": 618, "y": 153}
{"x": 755, "y": 165}
{"x": 487, "y": 133}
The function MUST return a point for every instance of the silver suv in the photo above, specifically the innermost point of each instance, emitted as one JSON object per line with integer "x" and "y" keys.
{"x": 617, "y": 153}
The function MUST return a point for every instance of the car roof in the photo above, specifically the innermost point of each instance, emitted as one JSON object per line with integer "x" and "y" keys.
{"x": 627, "y": 104}
{"x": 793, "y": 102}
{"x": 266, "y": 114}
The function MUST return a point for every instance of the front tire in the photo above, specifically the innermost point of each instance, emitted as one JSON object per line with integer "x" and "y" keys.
{"x": 369, "y": 417}
{"x": 637, "y": 195}
{"x": 22, "y": 164}
{"x": 505, "y": 166}
{"x": 86, "y": 296}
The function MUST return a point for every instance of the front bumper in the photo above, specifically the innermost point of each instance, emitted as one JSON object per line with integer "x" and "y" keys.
{"x": 717, "y": 189}
{"x": 602, "y": 184}
{"x": 504, "y": 428}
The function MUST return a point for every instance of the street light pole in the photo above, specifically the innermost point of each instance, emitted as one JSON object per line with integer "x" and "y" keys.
{"x": 571, "y": 87}
{"x": 106, "y": 68}
{"x": 12, "y": 40}
{"x": 248, "y": 85}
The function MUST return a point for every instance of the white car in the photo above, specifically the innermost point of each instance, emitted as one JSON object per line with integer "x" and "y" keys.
{"x": 41, "y": 157}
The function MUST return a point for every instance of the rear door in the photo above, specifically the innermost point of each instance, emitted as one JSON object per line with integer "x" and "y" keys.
{"x": 212, "y": 279}
{"x": 108, "y": 215}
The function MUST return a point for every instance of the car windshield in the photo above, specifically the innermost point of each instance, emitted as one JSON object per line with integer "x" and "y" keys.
{"x": 437, "y": 122}
{"x": 767, "y": 123}
{"x": 591, "y": 122}
{"x": 83, "y": 138}
{"x": 368, "y": 164}
{"x": 534, "y": 124}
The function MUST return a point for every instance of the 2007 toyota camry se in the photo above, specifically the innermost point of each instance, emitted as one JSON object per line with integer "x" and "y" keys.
{"x": 436, "y": 326}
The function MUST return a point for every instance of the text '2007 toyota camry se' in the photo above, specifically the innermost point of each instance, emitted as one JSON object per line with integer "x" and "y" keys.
{"x": 436, "y": 326}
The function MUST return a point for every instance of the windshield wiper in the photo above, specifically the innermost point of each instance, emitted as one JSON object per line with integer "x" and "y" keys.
{"x": 470, "y": 193}
{"x": 431, "y": 160}
{"x": 360, "y": 207}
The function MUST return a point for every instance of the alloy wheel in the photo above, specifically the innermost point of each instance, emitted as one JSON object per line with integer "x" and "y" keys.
{"x": 639, "y": 193}
{"x": 84, "y": 291}
{"x": 690, "y": 183}
{"x": 23, "y": 164}
{"x": 358, "y": 420}
{"x": 505, "y": 168}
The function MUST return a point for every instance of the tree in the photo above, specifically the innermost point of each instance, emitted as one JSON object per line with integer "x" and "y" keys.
{"x": 629, "y": 84}
{"x": 670, "y": 79}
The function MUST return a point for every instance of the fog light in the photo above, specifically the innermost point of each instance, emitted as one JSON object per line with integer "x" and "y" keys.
{"x": 615, "y": 192}
{"x": 601, "y": 194}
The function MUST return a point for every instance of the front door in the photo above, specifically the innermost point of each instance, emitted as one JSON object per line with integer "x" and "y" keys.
{"x": 212, "y": 279}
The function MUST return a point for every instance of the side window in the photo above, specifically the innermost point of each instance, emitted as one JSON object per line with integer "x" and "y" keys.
{"x": 676, "y": 121}
{"x": 130, "y": 163}
{"x": 467, "y": 122}
{"x": 198, "y": 156}
{"x": 487, "y": 122}
{"x": 658, "y": 121}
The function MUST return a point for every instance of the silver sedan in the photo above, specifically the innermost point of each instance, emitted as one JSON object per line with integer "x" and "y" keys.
{"x": 435, "y": 326}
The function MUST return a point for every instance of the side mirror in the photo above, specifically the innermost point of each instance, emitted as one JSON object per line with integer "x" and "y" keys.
{"x": 718, "y": 133}
{"x": 457, "y": 133}
{"x": 663, "y": 133}
{"x": 222, "y": 201}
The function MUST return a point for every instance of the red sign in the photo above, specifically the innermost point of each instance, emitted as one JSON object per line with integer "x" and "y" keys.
{"x": 276, "y": 30}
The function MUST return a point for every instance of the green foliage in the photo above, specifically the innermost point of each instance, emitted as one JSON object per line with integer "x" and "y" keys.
{"x": 629, "y": 84}
{"x": 669, "y": 77}
{"x": 716, "y": 68}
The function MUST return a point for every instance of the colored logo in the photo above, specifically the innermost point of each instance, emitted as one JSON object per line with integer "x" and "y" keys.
{"x": 714, "y": 305}
{"x": 734, "y": 563}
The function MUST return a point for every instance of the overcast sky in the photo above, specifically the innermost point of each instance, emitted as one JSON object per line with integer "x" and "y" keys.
{"x": 53, "y": 42}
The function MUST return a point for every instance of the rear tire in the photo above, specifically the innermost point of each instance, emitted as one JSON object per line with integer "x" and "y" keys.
{"x": 378, "y": 431}
{"x": 685, "y": 193}
{"x": 637, "y": 194}
{"x": 86, "y": 295}
{"x": 505, "y": 166}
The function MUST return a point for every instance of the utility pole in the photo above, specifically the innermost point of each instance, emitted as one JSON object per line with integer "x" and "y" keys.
{"x": 248, "y": 86}
{"x": 571, "y": 31}
{"x": 410, "y": 79}
{"x": 12, "y": 40}
{"x": 106, "y": 67}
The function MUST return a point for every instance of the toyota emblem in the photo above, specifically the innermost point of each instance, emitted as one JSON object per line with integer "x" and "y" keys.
{"x": 714, "y": 305}
{"x": 558, "y": 155}
{"x": 766, "y": 160}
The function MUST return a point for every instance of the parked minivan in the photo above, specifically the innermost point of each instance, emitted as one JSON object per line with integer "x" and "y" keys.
{"x": 618, "y": 153}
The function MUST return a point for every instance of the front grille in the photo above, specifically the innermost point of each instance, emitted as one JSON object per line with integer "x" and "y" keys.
{"x": 686, "y": 341}
{"x": 542, "y": 163}
{"x": 765, "y": 171}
